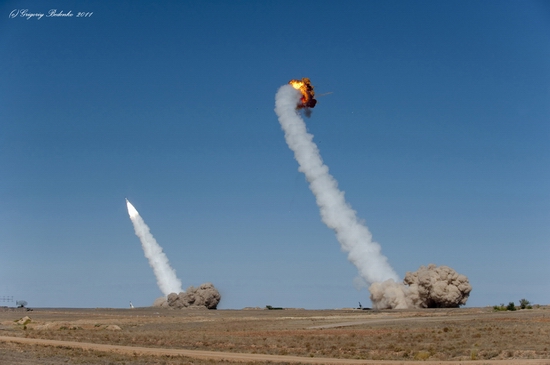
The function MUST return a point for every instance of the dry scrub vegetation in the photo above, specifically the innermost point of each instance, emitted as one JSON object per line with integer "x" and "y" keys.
{"x": 429, "y": 334}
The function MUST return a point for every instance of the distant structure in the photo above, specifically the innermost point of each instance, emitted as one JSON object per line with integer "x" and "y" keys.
{"x": 131, "y": 305}
{"x": 6, "y": 298}
{"x": 21, "y": 303}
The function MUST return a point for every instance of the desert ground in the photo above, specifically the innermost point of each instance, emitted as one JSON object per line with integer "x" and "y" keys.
{"x": 257, "y": 335}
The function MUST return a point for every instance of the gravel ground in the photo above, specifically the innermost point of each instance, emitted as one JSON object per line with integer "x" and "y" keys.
{"x": 438, "y": 336}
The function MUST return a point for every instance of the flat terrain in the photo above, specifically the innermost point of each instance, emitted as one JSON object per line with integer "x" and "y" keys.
{"x": 162, "y": 336}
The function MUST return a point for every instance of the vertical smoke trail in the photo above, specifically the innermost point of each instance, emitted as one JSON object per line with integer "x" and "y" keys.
{"x": 166, "y": 276}
{"x": 336, "y": 213}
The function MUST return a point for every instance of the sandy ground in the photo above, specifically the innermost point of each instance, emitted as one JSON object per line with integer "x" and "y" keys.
{"x": 152, "y": 336}
{"x": 228, "y": 356}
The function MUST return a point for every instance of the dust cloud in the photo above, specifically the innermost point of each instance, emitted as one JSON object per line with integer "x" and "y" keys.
{"x": 206, "y": 295}
{"x": 428, "y": 287}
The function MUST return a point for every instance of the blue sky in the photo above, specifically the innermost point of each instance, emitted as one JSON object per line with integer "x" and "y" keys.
{"x": 437, "y": 129}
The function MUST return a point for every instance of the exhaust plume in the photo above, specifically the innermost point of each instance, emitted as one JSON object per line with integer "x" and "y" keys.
{"x": 165, "y": 274}
{"x": 354, "y": 237}
{"x": 429, "y": 287}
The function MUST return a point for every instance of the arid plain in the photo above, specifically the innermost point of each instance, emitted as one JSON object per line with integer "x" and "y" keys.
{"x": 200, "y": 336}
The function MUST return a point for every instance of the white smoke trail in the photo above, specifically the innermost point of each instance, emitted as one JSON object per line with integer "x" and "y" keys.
{"x": 166, "y": 276}
{"x": 336, "y": 213}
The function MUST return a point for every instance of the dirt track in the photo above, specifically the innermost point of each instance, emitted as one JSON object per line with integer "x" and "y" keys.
{"x": 395, "y": 320}
{"x": 228, "y": 356}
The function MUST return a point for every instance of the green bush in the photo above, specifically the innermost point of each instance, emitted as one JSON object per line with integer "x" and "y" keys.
{"x": 524, "y": 303}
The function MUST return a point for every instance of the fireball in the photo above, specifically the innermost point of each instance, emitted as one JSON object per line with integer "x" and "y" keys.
{"x": 306, "y": 89}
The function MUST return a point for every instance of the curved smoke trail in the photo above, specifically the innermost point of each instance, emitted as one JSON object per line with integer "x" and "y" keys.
{"x": 336, "y": 213}
{"x": 166, "y": 276}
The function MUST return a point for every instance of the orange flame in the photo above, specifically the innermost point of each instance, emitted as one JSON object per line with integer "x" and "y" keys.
{"x": 304, "y": 86}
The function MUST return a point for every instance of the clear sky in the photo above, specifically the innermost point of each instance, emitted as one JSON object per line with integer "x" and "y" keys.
{"x": 437, "y": 129}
